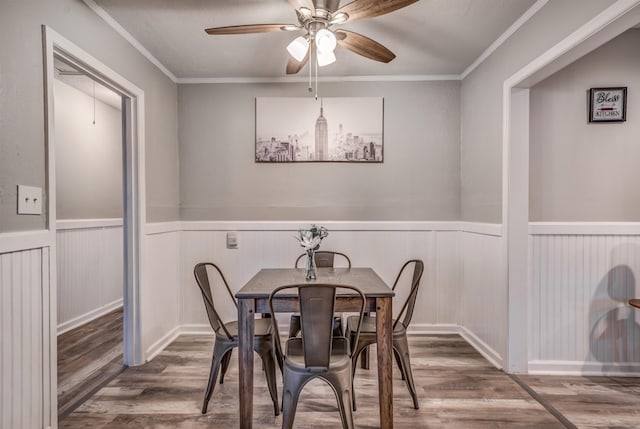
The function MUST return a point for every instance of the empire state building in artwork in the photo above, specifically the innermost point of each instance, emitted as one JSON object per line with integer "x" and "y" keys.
{"x": 322, "y": 137}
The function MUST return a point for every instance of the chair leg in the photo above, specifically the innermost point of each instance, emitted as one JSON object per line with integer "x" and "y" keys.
{"x": 399, "y": 362}
{"x": 342, "y": 384}
{"x": 401, "y": 346}
{"x": 218, "y": 353}
{"x": 293, "y": 383}
{"x": 225, "y": 365}
{"x": 269, "y": 364}
{"x": 359, "y": 349}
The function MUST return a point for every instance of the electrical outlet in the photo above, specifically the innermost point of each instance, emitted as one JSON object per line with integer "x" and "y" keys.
{"x": 29, "y": 200}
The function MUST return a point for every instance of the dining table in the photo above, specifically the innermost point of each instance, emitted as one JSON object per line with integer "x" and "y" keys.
{"x": 253, "y": 299}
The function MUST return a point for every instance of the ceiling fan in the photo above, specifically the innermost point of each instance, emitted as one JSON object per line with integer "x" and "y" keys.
{"x": 315, "y": 17}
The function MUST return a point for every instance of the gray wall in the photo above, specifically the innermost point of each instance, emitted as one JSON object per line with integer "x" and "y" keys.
{"x": 88, "y": 156}
{"x": 419, "y": 179}
{"x": 481, "y": 149}
{"x": 584, "y": 171}
{"x": 22, "y": 140}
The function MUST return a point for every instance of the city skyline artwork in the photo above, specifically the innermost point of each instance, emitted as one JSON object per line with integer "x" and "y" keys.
{"x": 329, "y": 129}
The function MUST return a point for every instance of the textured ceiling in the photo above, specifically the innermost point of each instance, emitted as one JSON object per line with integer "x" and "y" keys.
{"x": 430, "y": 37}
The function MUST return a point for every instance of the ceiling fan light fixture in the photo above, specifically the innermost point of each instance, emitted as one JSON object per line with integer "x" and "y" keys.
{"x": 326, "y": 58}
{"x": 305, "y": 11}
{"x": 339, "y": 18}
{"x": 325, "y": 41}
{"x": 298, "y": 48}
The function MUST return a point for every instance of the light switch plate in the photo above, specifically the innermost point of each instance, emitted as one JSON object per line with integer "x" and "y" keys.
{"x": 29, "y": 200}
{"x": 232, "y": 240}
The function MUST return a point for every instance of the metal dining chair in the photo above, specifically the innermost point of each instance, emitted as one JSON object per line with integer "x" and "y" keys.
{"x": 227, "y": 338}
{"x": 367, "y": 334}
{"x": 317, "y": 353}
{"x": 323, "y": 259}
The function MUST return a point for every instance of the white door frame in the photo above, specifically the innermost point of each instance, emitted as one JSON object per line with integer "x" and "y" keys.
{"x": 617, "y": 18}
{"x": 133, "y": 187}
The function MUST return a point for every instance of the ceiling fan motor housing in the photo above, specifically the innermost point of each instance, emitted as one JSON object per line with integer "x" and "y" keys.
{"x": 328, "y": 5}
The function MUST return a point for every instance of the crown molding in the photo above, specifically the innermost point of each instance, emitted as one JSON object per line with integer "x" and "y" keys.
{"x": 129, "y": 38}
{"x": 505, "y": 36}
{"x": 299, "y": 79}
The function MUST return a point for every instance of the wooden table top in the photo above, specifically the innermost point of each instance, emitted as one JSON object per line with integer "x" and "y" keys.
{"x": 267, "y": 279}
{"x": 635, "y": 302}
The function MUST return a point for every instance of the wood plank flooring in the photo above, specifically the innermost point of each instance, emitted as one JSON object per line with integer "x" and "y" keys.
{"x": 88, "y": 357}
{"x": 456, "y": 386}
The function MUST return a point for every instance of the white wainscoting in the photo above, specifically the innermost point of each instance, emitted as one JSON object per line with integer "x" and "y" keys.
{"x": 89, "y": 270}
{"x": 483, "y": 296}
{"x": 25, "y": 395}
{"x": 582, "y": 275}
{"x": 382, "y": 245}
{"x": 160, "y": 287}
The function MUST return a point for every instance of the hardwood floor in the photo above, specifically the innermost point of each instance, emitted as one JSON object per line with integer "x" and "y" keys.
{"x": 88, "y": 357}
{"x": 456, "y": 386}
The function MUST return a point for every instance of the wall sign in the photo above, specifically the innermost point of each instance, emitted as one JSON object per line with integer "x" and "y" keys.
{"x": 608, "y": 104}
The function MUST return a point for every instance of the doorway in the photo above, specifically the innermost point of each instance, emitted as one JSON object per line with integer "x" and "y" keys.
{"x": 89, "y": 234}
{"x": 57, "y": 48}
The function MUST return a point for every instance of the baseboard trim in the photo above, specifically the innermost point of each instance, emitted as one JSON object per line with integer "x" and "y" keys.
{"x": 196, "y": 329}
{"x": 583, "y": 368}
{"x": 89, "y": 316}
{"x": 154, "y": 349}
{"x": 482, "y": 348}
{"x": 428, "y": 329}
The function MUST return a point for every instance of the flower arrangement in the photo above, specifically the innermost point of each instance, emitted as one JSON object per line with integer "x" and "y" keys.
{"x": 310, "y": 240}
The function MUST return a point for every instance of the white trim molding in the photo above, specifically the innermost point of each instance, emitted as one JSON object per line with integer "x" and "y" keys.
{"x": 298, "y": 79}
{"x": 129, "y": 38}
{"x": 505, "y": 36}
{"x": 584, "y": 228}
{"x": 295, "y": 225}
{"x": 25, "y": 240}
{"x": 88, "y": 223}
{"x": 88, "y": 317}
{"x": 580, "y": 368}
{"x": 154, "y": 349}
{"x": 482, "y": 348}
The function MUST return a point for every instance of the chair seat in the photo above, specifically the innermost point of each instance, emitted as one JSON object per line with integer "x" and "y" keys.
{"x": 340, "y": 355}
{"x": 369, "y": 326}
{"x": 261, "y": 328}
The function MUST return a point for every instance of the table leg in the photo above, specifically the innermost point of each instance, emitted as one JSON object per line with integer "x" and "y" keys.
{"x": 364, "y": 355}
{"x": 245, "y": 357}
{"x": 384, "y": 339}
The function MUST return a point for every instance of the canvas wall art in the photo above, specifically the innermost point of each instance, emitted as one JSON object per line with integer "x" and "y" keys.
{"x": 329, "y": 129}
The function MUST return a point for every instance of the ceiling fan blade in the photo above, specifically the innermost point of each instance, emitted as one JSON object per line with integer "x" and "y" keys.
{"x": 293, "y": 66}
{"x": 364, "y": 9}
{"x": 364, "y": 46}
{"x": 297, "y": 4}
{"x": 248, "y": 29}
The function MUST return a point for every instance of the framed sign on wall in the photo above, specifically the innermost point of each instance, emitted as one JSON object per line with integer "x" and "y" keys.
{"x": 608, "y": 104}
{"x": 329, "y": 129}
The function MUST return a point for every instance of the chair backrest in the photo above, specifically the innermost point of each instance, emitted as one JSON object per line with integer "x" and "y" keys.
{"x": 202, "y": 279}
{"x": 324, "y": 258}
{"x": 410, "y": 302}
{"x": 317, "y": 304}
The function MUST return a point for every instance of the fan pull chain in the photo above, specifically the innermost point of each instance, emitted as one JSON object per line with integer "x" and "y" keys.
{"x": 94, "y": 102}
{"x": 316, "y": 78}
{"x": 310, "y": 59}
